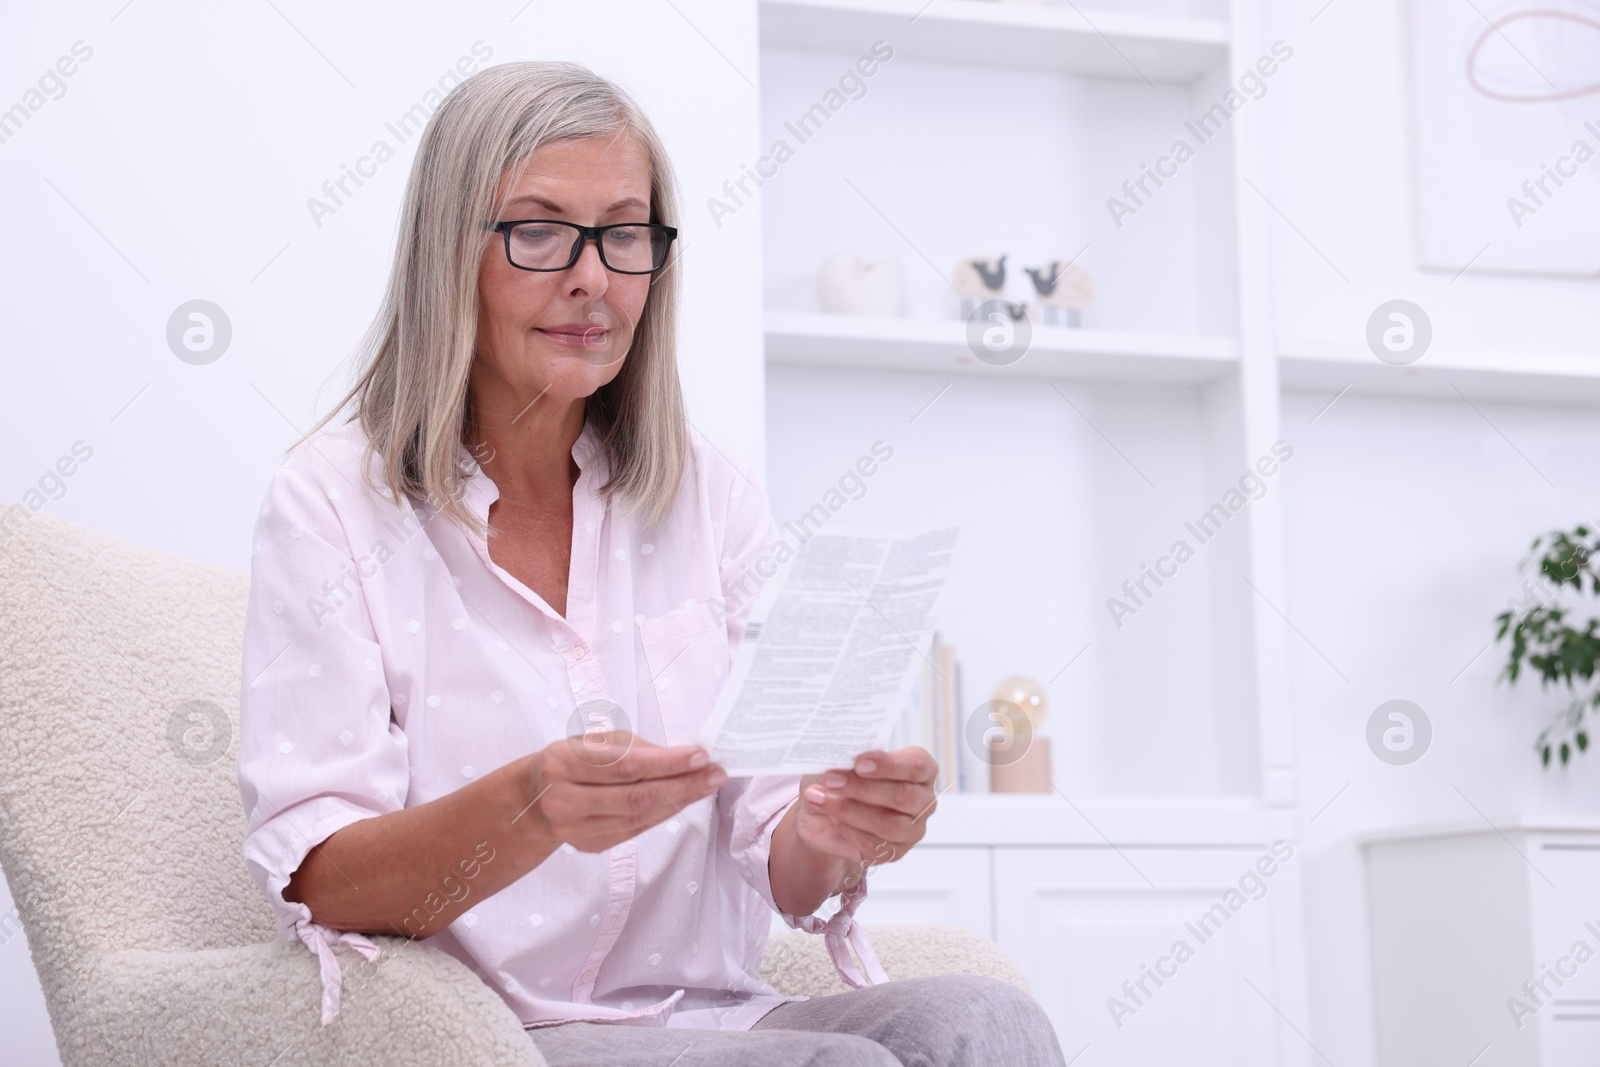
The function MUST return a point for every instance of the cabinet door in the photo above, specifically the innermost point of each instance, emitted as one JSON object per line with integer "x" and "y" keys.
{"x": 930, "y": 884}
{"x": 1563, "y": 873}
{"x": 1129, "y": 957}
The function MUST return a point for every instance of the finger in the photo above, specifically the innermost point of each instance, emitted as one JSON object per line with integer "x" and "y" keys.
{"x": 655, "y": 799}
{"x": 675, "y": 794}
{"x": 613, "y": 756}
{"x": 892, "y": 826}
{"x": 570, "y": 803}
{"x": 912, "y": 764}
{"x": 839, "y": 839}
{"x": 912, "y": 798}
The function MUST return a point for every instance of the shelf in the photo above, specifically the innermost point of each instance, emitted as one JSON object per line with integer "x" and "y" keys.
{"x": 1049, "y": 820}
{"x": 1563, "y": 378}
{"x": 1518, "y": 823}
{"x": 1062, "y": 38}
{"x": 940, "y": 347}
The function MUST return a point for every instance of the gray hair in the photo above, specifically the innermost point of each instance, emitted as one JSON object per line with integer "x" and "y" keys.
{"x": 412, "y": 394}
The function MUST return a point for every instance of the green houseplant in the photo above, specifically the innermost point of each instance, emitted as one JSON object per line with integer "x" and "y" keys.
{"x": 1542, "y": 637}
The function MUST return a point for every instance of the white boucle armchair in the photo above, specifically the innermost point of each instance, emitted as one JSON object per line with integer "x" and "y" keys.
{"x": 121, "y": 824}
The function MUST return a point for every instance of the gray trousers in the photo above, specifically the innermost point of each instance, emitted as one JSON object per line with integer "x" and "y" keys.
{"x": 950, "y": 1020}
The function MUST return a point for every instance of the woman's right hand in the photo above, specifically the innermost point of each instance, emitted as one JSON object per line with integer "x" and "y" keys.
{"x": 601, "y": 788}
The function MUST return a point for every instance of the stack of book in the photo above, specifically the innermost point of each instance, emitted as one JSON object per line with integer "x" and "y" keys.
{"x": 935, "y": 718}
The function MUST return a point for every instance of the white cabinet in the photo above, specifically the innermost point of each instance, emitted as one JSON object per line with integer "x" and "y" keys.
{"x": 1487, "y": 938}
{"x": 1146, "y": 933}
{"x": 1142, "y": 971}
{"x": 949, "y": 886}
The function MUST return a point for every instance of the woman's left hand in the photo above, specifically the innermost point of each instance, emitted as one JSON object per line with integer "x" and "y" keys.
{"x": 872, "y": 813}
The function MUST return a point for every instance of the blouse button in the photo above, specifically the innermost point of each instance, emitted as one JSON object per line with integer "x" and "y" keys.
{"x": 498, "y": 697}
{"x": 646, "y": 549}
{"x": 413, "y": 626}
{"x": 459, "y": 624}
{"x": 638, "y": 618}
{"x": 589, "y": 525}
{"x": 622, "y": 554}
{"x": 594, "y": 920}
{"x": 277, "y": 607}
{"x": 616, "y": 627}
{"x": 296, "y": 531}
{"x": 345, "y": 737}
{"x": 429, "y": 554}
{"x": 433, "y": 701}
{"x": 468, "y": 772}
{"x": 693, "y": 887}
{"x": 333, "y": 494}
{"x": 579, "y": 652}
{"x": 286, "y": 747}
{"x": 469, "y": 920}
{"x": 315, "y": 670}
{"x": 536, "y": 920}
{"x": 673, "y": 826}
{"x": 554, "y": 703}
{"x": 655, "y": 959}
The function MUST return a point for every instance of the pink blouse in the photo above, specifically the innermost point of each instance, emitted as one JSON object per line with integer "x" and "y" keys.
{"x": 388, "y": 660}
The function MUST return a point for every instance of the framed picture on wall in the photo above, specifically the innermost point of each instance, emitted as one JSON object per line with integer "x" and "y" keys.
{"x": 1504, "y": 135}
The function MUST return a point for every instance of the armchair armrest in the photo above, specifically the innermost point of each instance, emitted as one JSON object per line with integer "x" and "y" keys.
{"x": 798, "y": 963}
{"x": 260, "y": 1004}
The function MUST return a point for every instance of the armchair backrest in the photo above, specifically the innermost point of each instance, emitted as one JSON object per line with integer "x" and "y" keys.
{"x": 120, "y": 818}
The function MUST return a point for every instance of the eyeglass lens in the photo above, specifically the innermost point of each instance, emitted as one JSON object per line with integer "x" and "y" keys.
{"x": 548, "y": 246}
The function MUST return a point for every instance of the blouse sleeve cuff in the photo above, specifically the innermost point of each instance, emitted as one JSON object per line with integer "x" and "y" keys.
{"x": 763, "y": 808}
{"x": 321, "y": 939}
{"x": 273, "y": 852}
{"x": 842, "y": 929}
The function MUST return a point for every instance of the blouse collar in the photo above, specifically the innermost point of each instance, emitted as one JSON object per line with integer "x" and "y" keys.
{"x": 481, "y": 490}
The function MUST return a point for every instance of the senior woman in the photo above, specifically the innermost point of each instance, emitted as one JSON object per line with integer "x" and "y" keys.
{"x": 490, "y": 608}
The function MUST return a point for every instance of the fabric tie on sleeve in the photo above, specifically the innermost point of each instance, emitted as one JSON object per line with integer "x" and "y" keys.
{"x": 321, "y": 939}
{"x": 842, "y": 927}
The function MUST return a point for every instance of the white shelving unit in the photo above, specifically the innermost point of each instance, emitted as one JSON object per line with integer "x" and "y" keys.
{"x": 1174, "y": 768}
{"x": 857, "y": 341}
{"x": 1542, "y": 377}
{"x": 1108, "y": 44}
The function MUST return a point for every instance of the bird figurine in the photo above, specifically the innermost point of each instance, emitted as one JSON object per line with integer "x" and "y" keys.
{"x": 977, "y": 280}
{"x": 1062, "y": 287}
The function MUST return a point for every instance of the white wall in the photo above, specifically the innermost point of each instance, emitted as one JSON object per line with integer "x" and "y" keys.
{"x": 1405, "y": 517}
{"x": 177, "y": 165}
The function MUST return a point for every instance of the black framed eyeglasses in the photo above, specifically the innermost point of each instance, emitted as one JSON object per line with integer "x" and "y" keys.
{"x": 548, "y": 245}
